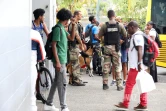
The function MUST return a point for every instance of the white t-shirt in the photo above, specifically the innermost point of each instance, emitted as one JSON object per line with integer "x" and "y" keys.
{"x": 133, "y": 53}
{"x": 152, "y": 33}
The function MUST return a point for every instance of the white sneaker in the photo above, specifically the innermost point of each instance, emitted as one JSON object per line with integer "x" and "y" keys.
{"x": 50, "y": 108}
{"x": 66, "y": 109}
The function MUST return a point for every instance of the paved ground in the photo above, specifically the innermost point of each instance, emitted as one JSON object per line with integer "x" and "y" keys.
{"x": 93, "y": 98}
{"x": 161, "y": 74}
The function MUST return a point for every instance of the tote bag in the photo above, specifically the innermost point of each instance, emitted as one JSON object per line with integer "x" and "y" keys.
{"x": 145, "y": 82}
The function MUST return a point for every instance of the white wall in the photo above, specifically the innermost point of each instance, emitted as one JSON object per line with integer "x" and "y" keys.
{"x": 50, "y": 18}
{"x": 15, "y": 47}
{"x": 49, "y": 7}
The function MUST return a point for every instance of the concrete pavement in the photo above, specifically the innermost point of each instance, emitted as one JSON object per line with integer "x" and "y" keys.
{"x": 93, "y": 98}
{"x": 161, "y": 74}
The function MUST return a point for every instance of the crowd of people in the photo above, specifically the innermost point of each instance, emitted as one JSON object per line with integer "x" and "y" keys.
{"x": 68, "y": 43}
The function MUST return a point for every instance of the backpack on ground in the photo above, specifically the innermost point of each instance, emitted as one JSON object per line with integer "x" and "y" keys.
{"x": 48, "y": 46}
{"x": 151, "y": 51}
{"x": 88, "y": 35}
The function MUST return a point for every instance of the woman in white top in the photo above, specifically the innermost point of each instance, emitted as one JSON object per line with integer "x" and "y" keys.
{"x": 150, "y": 31}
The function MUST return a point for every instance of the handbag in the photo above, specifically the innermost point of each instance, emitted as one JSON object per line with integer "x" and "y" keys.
{"x": 145, "y": 82}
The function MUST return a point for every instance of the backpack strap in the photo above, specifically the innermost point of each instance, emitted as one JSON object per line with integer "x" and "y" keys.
{"x": 33, "y": 24}
{"x": 60, "y": 31}
{"x": 143, "y": 35}
{"x": 91, "y": 28}
{"x": 57, "y": 26}
{"x": 91, "y": 34}
{"x": 134, "y": 46}
{"x": 134, "y": 42}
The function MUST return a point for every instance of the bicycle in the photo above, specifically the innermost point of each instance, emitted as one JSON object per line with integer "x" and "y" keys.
{"x": 44, "y": 82}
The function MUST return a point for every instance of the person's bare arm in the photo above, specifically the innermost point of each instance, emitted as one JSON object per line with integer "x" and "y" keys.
{"x": 45, "y": 29}
{"x": 54, "y": 49}
{"x": 80, "y": 42}
{"x": 96, "y": 37}
{"x": 72, "y": 36}
{"x": 101, "y": 31}
{"x": 139, "y": 57}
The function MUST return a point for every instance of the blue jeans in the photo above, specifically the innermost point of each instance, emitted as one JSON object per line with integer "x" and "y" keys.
{"x": 124, "y": 56}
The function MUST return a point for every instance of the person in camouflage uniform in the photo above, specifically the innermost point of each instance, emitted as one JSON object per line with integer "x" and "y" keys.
{"x": 74, "y": 67}
{"x": 112, "y": 30}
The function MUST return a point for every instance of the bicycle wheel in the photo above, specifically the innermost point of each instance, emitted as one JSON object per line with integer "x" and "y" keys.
{"x": 45, "y": 82}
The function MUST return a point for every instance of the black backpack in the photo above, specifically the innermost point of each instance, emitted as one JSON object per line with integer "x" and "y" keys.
{"x": 126, "y": 44}
{"x": 48, "y": 46}
{"x": 151, "y": 50}
{"x": 157, "y": 39}
{"x": 88, "y": 35}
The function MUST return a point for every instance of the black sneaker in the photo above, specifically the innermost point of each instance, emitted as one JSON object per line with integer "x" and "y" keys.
{"x": 105, "y": 87}
{"x": 41, "y": 98}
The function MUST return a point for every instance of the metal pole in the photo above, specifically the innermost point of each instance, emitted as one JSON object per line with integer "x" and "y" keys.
{"x": 98, "y": 11}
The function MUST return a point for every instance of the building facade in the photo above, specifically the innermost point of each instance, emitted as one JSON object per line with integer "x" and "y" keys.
{"x": 15, "y": 50}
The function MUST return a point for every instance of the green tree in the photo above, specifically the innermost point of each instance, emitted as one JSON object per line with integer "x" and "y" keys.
{"x": 137, "y": 10}
{"x": 104, "y": 7}
{"x": 76, "y": 4}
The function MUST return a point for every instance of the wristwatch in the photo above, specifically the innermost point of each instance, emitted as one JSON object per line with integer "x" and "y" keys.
{"x": 139, "y": 63}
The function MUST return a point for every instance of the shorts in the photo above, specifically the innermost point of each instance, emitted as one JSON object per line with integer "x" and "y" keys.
{"x": 124, "y": 56}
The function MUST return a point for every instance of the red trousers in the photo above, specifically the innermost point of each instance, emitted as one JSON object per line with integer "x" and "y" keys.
{"x": 131, "y": 80}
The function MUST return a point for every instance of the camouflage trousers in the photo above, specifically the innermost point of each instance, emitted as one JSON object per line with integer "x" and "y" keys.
{"x": 75, "y": 67}
{"x": 114, "y": 58}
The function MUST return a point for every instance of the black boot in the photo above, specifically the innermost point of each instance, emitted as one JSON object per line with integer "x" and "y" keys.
{"x": 119, "y": 88}
{"x": 118, "y": 83}
{"x": 80, "y": 83}
{"x": 105, "y": 87}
